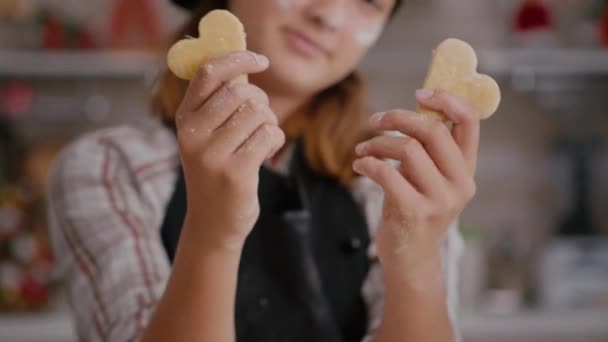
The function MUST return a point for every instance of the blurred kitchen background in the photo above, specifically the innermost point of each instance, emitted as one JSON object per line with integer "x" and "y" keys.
{"x": 536, "y": 262}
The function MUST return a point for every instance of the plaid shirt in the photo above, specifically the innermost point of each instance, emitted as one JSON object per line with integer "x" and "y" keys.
{"x": 107, "y": 202}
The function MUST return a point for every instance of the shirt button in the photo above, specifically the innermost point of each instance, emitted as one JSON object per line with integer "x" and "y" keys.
{"x": 353, "y": 244}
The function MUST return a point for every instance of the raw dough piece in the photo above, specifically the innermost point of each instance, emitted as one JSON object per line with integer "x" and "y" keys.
{"x": 454, "y": 69}
{"x": 220, "y": 33}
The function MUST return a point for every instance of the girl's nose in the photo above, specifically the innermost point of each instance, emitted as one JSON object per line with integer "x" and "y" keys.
{"x": 328, "y": 14}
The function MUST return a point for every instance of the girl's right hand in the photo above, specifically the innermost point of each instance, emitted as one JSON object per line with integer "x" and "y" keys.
{"x": 225, "y": 131}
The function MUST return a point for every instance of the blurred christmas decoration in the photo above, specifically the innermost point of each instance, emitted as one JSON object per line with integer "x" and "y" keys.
{"x": 37, "y": 26}
{"x": 59, "y": 33}
{"x": 116, "y": 24}
{"x": 533, "y": 15}
{"x": 25, "y": 259}
{"x": 604, "y": 29}
{"x": 16, "y": 99}
{"x": 600, "y": 12}
{"x": 135, "y": 24}
{"x": 533, "y": 24}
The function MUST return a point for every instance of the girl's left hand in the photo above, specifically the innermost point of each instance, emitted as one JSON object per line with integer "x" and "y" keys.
{"x": 432, "y": 185}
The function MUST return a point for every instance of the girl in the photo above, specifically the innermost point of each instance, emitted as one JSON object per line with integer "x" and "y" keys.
{"x": 237, "y": 216}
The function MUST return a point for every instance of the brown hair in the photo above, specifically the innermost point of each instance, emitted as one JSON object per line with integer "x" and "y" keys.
{"x": 331, "y": 125}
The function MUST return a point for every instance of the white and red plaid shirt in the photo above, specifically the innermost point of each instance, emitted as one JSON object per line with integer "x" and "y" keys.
{"x": 107, "y": 202}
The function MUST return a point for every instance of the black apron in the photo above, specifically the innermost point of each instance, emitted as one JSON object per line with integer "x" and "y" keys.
{"x": 304, "y": 263}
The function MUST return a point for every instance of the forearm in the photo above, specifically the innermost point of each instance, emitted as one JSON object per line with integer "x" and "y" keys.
{"x": 198, "y": 304}
{"x": 415, "y": 306}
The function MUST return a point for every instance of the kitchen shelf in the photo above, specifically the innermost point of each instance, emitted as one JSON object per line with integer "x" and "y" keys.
{"x": 112, "y": 64}
{"x": 559, "y": 79}
{"x": 77, "y": 64}
{"x": 57, "y": 326}
{"x": 554, "y": 62}
{"x": 555, "y": 326}
{"x": 498, "y": 62}
{"x": 40, "y": 327}
{"x": 53, "y": 325}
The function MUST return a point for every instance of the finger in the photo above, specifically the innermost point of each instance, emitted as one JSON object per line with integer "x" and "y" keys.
{"x": 218, "y": 71}
{"x": 221, "y": 105}
{"x": 240, "y": 126}
{"x": 388, "y": 178}
{"x": 261, "y": 145}
{"x": 466, "y": 120}
{"x": 432, "y": 133}
{"x": 416, "y": 164}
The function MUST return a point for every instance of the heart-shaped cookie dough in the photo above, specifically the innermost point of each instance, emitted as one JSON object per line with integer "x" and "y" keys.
{"x": 454, "y": 69}
{"x": 220, "y": 32}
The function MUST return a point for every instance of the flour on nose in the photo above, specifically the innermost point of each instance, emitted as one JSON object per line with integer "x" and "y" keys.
{"x": 368, "y": 36}
{"x": 284, "y": 4}
{"x": 336, "y": 20}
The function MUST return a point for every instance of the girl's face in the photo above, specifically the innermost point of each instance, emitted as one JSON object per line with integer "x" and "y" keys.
{"x": 311, "y": 44}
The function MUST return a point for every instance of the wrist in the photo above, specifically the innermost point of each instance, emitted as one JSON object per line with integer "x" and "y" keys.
{"x": 206, "y": 237}
{"x": 418, "y": 272}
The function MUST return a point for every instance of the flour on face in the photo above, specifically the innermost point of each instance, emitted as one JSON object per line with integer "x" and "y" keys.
{"x": 284, "y": 4}
{"x": 336, "y": 20}
{"x": 367, "y": 37}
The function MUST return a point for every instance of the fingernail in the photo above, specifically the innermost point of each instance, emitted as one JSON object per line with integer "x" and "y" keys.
{"x": 375, "y": 119}
{"x": 424, "y": 93}
{"x": 261, "y": 59}
{"x": 360, "y": 148}
{"x": 357, "y": 166}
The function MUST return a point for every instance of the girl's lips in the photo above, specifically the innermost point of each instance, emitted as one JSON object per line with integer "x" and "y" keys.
{"x": 304, "y": 45}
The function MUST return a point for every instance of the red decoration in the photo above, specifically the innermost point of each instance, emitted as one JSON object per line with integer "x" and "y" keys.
{"x": 604, "y": 28}
{"x": 135, "y": 23}
{"x": 58, "y": 33}
{"x": 16, "y": 99}
{"x": 33, "y": 292}
{"x": 533, "y": 15}
{"x": 85, "y": 40}
{"x": 53, "y": 35}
